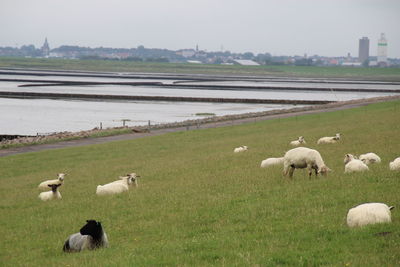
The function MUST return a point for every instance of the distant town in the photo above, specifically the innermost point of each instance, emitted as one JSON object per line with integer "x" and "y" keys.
{"x": 198, "y": 56}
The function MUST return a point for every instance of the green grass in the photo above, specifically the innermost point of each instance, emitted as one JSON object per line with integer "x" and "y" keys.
{"x": 389, "y": 74}
{"x": 200, "y": 204}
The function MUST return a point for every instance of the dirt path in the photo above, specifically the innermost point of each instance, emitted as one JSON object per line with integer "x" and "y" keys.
{"x": 100, "y": 140}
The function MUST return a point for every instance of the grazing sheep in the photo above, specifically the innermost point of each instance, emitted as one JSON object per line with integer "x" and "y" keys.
{"x": 395, "y": 164}
{"x": 370, "y": 158}
{"x": 49, "y": 195}
{"x": 240, "y": 149}
{"x": 116, "y": 187}
{"x": 369, "y": 213}
{"x": 329, "y": 139}
{"x": 271, "y": 161}
{"x": 59, "y": 180}
{"x": 91, "y": 236}
{"x": 352, "y": 164}
{"x": 302, "y": 157}
{"x": 298, "y": 142}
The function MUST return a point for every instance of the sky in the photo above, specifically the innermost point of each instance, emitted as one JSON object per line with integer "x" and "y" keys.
{"x": 279, "y": 27}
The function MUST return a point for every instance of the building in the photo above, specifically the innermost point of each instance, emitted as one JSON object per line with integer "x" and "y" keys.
{"x": 363, "y": 49}
{"x": 382, "y": 51}
{"x": 45, "y": 48}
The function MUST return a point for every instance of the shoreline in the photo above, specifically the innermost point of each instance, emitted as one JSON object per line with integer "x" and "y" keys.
{"x": 31, "y": 144}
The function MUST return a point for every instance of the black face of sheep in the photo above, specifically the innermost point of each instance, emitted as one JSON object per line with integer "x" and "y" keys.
{"x": 92, "y": 228}
{"x": 53, "y": 187}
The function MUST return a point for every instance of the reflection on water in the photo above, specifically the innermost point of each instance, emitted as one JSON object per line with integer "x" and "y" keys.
{"x": 32, "y": 116}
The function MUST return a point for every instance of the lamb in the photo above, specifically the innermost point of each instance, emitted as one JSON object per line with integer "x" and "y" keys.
{"x": 298, "y": 142}
{"x": 370, "y": 158}
{"x": 118, "y": 186}
{"x": 369, "y": 213}
{"x": 271, "y": 161}
{"x": 90, "y": 236}
{"x": 302, "y": 157}
{"x": 60, "y": 180}
{"x": 49, "y": 195}
{"x": 240, "y": 149}
{"x": 352, "y": 164}
{"x": 395, "y": 165}
{"x": 329, "y": 140}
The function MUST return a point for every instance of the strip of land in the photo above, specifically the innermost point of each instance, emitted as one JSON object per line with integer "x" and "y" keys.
{"x": 198, "y": 124}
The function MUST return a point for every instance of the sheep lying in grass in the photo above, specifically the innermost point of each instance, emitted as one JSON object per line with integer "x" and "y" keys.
{"x": 271, "y": 161}
{"x": 370, "y": 158}
{"x": 118, "y": 186}
{"x": 352, "y": 164}
{"x": 302, "y": 157}
{"x": 60, "y": 180}
{"x": 298, "y": 142}
{"x": 49, "y": 195}
{"x": 369, "y": 213}
{"x": 329, "y": 139}
{"x": 240, "y": 149}
{"x": 395, "y": 165}
{"x": 90, "y": 236}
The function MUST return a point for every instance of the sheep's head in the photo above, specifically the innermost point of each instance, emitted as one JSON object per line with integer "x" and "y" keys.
{"x": 348, "y": 158}
{"x": 61, "y": 176}
{"x": 133, "y": 178}
{"x": 54, "y": 187}
{"x": 92, "y": 228}
{"x": 337, "y": 136}
{"x": 324, "y": 170}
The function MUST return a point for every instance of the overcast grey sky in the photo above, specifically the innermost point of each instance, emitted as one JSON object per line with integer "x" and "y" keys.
{"x": 280, "y": 27}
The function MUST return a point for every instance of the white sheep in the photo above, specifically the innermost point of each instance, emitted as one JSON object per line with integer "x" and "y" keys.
{"x": 271, "y": 161}
{"x": 240, "y": 149}
{"x": 329, "y": 139}
{"x": 60, "y": 180}
{"x": 369, "y": 213}
{"x": 52, "y": 194}
{"x": 395, "y": 165}
{"x": 370, "y": 158}
{"x": 298, "y": 142}
{"x": 118, "y": 186}
{"x": 90, "y": 236}
{"x": 302, "y": 157}
{"x": 352, "y": 164}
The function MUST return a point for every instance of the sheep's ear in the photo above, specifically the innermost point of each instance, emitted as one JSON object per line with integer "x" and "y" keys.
{"x": 391, "y": 207}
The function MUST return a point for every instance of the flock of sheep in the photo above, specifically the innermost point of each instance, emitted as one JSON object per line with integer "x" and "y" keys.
{"x": 91, "y": 235}
{"x": 302, "y": 157}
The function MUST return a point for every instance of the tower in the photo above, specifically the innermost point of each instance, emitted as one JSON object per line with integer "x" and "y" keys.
{"x": 45, "y": 48}
{"x": 363, "y": 49}
{"x": 382, "y": 50}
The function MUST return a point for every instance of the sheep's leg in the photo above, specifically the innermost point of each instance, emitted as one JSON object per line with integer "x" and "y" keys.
{"x": 291, "y": 171}
{"x": 285, "y": 169}
{"x": 309, "y": 169}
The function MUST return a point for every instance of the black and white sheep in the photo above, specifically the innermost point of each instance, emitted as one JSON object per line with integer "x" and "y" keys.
{"x": 90, "y": 236}
{"x": 303, "y": 157}
{"x": 52, "y": 194}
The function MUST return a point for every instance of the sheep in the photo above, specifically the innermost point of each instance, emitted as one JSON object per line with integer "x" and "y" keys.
{"x": 329, "y": 140}
{"x": 352, "y": 164}
{"x": 370, "y": 158}
{"x": 240, "y": 149}
{"x": 59, "y": 180}
{"x": 369, "y": 213}
{"x": 298, "y": 142}
{"x": 118, "y": 186}
{"x": 49, "y": 195}
{"x": 302, "y": 157}
{"x": 395, "y": 165}
{"x": 90, "y": 236}
{"x": 271, "y": 161}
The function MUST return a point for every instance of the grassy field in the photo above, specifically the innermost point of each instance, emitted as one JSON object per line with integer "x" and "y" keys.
{"x": 199, "y": 204}
{"x": 389, "y": 74}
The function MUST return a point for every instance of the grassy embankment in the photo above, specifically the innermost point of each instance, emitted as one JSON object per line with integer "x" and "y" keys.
{"x": 389, "y": 74}
{"x": 200, "y": 204}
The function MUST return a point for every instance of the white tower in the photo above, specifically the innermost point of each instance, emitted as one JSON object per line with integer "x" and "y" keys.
{"x": 382, "y": 50}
